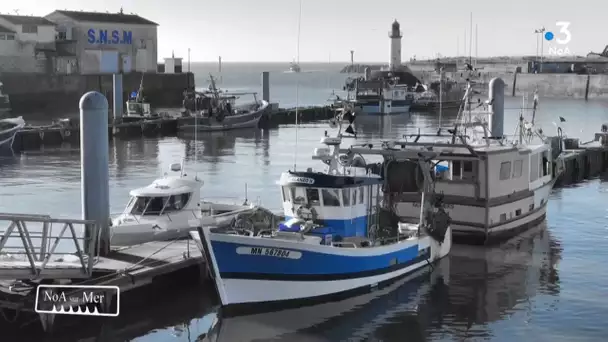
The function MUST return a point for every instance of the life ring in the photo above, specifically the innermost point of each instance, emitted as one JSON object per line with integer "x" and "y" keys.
{"x": 307, "y": 212}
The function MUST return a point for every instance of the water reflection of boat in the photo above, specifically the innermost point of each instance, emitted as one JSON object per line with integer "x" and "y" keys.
{"x": 488, "y": 283}
{"x": 357, "y": 317}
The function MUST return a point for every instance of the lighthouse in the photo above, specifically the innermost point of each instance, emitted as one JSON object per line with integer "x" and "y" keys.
{"x": 395, "y": 36}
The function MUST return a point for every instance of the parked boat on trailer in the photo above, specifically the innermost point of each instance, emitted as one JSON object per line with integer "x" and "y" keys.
{"x": 340, "y": 237}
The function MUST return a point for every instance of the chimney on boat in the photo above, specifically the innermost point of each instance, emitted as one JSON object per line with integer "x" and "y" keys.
{"x": 395, "y": 36}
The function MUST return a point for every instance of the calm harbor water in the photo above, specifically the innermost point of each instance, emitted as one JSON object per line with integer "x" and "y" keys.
{"x": 546, "y": 285}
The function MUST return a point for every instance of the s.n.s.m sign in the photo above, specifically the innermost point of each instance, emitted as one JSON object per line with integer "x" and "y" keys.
{"x": 109, "y": 37}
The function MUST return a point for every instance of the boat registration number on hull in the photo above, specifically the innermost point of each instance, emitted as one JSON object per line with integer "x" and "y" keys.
{"x": 271, "y": 252}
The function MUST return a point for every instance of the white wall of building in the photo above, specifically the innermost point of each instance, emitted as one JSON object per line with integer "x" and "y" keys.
{"x": 18, "y": 50}
{"x": 105, "y": 47}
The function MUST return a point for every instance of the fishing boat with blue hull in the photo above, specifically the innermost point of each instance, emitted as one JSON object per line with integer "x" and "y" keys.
{"x": 339, "y": 238}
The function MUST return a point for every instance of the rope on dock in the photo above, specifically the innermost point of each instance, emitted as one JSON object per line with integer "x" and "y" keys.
{"x": 126, "y": 270}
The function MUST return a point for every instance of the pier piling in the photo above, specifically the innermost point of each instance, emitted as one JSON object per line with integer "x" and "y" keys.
{"x": 117, "y": 96}
{"x": 266, "y": 86}
{"x": 94, "y": 158}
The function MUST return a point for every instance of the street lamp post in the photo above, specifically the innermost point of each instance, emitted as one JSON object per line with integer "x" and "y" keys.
{"x": 540, "y": 32}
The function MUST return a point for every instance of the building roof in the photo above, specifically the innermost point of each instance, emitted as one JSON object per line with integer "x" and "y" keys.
{"x": 100, "y": 17}
{"x": 26, "y": 20}
{"x": 5, "y": 30}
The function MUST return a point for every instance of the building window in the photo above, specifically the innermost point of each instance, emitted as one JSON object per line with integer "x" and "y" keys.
{"x": 142, "y": 44}
{"x": 505, "y": 170}
{"x": 2, "y": 37}
{"x": 10, "y": 37}
{"x": 62, "y": 35}
{"x": 29, "y": 29}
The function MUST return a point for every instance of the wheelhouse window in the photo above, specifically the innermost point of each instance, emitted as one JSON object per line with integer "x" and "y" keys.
{"x": 285, "y": 193}
{"x": 346, "y": 197}
{"x": 312, "y": 196}
{"x": 331, "y": 197}
{"x": 361, "y": 194}
{"x": 505, "y": 170}
{"x": 146, "y": 205}
{"x": 456, "y": 166}
{"x": 517, "y": 168}
{"x": 298, "y": 195}
{"x": 354, "y": 192}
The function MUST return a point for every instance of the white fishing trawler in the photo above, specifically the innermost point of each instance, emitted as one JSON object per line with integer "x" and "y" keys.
{"x": 168, "y": 209}
{"x": 337, "y": 238}
{"x": 493, "y": 187}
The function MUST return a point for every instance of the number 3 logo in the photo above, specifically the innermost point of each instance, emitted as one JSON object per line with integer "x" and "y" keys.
{"x": 564, "y": 30}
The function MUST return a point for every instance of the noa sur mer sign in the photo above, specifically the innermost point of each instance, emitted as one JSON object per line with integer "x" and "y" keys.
{"x": 109, "y": 36}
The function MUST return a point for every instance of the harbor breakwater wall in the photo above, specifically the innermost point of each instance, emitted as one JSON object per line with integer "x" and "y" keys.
{"x": 45, "y": 93}
{"x": 548, "y": 85}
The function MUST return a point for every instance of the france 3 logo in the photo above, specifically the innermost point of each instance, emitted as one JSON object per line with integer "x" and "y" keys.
{"x": 83, "y": 300}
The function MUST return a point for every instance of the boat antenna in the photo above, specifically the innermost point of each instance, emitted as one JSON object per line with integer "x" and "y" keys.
{"x": 295, "y": 155}
{"x": 440, "y": 96}
{"x": 471, "y": 40}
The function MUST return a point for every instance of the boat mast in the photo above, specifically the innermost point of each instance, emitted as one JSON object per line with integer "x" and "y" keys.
{"x": 295, "y": 155}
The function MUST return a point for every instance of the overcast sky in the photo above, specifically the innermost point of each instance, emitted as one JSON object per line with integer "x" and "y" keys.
{"x": 266, "y": 30}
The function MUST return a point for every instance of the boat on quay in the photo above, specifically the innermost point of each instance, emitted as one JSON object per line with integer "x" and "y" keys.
{"x": 170, "y": 208}
{"x": 340, "y": 238}
{"x": 493, "y": 186}
{"x": 384, "y": 92}
{"x": 216, "y": 110}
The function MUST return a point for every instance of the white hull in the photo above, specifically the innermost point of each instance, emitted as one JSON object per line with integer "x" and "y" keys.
{"x": 376, "y": 110}
{"x": 469, "y": 220}
{"x": 251, "y": 291}
{"x": 247, "y": 291}
{"x": 142, "y": 229}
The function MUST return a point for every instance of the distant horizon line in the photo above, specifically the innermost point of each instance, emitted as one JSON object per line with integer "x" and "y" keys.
{"x": 185, "y": 62}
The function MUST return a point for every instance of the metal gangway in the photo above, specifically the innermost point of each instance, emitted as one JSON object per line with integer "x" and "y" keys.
{"x": 29, "y": 247}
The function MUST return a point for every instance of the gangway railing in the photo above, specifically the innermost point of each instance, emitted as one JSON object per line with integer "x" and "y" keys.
{"x": 29, "y": 247}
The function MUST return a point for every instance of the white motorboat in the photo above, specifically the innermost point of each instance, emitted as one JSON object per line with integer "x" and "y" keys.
{"x": 8, "y": 130}
{"x": 340, "y": 238}
{"x": 168, "y": 209}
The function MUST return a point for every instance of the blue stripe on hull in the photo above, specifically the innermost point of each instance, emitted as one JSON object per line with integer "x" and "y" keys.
{"x": 344, "y": 228}
{"x": 310, "y": 263}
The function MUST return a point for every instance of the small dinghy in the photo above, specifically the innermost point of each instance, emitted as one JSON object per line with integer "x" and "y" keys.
{"x": 340, "y": 238}
{"x": 8, "y": 130}
{"x": 168, "y": 209}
